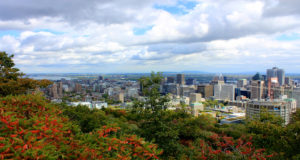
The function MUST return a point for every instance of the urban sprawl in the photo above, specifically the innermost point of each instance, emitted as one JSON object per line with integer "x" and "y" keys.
{"x": 228, "y": 101}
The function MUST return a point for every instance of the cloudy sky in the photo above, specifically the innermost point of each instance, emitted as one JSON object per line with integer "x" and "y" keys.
{"x": 109, "y": 36}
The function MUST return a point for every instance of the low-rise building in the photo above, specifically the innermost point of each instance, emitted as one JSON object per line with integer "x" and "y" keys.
{"x": 282, "y": 108}
{"x": 91, "y": 105}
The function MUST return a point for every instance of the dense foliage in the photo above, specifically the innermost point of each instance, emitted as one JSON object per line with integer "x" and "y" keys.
{"x": 32, "y": 128}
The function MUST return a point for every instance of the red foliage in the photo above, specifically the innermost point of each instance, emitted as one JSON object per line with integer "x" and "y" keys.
{"x": 220, "y": 147}
{"x": 116, "y": 112}
{"x": 31, "y": 128}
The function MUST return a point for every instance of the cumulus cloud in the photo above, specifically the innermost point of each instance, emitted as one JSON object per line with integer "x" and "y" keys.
{"x": 96, "y": 35}
{"x": 282, "y": 8}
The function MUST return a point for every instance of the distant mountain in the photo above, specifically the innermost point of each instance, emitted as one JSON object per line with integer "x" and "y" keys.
{"x": 196, "y": 72}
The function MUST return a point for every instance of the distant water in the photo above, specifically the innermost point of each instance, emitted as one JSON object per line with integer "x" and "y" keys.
{"x": 38, "y": 77}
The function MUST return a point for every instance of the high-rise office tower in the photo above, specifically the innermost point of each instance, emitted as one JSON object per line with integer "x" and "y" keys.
{"x": 170, "y": 80}
{"x": 224, "y": 91}
{"x": 190, "y": 81}
{"x": 225, "y": 79}
{"x": 100, "y": 78}
{"x": 180, "y": 79}
{"x": 206, "y": 90}
{"x": 53, "y": 91}
{"x": 276, "y": 72}
{"x": 288, "y": 81}
{"x": 60, "y": 89}
{"x": 273, "y": 85}
{"x": 241, "y": 83}
{"x": 257, "y": 89}
{"x": 78, "y": 87}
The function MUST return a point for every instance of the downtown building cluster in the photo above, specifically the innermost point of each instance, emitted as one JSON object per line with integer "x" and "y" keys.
{"x": 273, "y": 92}
{"x": 95, "y": 93}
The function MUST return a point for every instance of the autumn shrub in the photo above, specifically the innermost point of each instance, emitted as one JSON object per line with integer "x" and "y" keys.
{"x": 223, "y": 147}
{"x": 33, "y": 128}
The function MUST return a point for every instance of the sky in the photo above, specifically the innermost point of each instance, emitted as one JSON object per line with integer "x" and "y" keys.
{"x": 130, "y": 36}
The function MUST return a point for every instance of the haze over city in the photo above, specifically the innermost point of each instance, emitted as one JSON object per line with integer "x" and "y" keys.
{"x": 57, "y": 36}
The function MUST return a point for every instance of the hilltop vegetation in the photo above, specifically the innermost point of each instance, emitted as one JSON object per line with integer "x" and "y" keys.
{"x": 32, "y": 128}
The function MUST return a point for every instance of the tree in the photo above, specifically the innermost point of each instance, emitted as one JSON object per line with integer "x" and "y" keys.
{"x": 212, "y": 103}
{"x": 155, "y": 102}
{"x": 7, "y": 70}
{"x": 268, "y": 132}
{"x": 12, "y": 80}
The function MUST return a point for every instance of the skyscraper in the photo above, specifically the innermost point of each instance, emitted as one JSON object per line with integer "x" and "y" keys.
{"x": 218, "y": 79}
{"x": 78, "y": 87}
{"x": 224, "y": 91}
{"x": 180, "y": 79}
{"x": 170, "y": 80}
{"x": 53, "y": 91}
{"x": 60, "y": 89}
{"x": 276, "y": 72}
{"x": 257, "y": 88}
{"x": 273, "y": 84}
{"x": 241, "y": 83}
{"x": 100, "y": 78}
{"x": 206, "y": 90}
{"x": 190, "y": 81}
{"x": 288, "y": 81}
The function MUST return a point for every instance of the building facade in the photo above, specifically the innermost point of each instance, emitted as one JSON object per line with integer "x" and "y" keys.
{"x": 276, "y": 72}
{"x": 257, "y": 89}
{"x": 205, "y": 90}
{"x": 170, "y": 80}
{"x": 282, "y": 108}
{"x": 241, "y": 83}
{"x": 195, "y": 97}
{"x": 180, "y": 79}
{"x": 224, "y": 92}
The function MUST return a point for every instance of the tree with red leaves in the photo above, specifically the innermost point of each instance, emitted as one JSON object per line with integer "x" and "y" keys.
{"x": 32, "y": 128}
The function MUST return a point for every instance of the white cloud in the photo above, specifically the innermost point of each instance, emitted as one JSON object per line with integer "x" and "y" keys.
{"x": 97, "y": 35}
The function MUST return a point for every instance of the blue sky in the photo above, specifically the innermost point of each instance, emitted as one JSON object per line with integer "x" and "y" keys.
{"x": 141, "y": 30}
{"x": 52, "y": 36}
{"x": 14, "y": 33}
{"x": 180, "y": 8}
{"x": 288, "y": 37}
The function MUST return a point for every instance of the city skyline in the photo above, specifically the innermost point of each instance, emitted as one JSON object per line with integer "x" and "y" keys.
{"x": 246, "y": 73}
{"x": 142, "y": 36}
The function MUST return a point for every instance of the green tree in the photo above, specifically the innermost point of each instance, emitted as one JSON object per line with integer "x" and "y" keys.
{"x": 7, "y": 70}
{"x": 211, "y": 103}
{"x": 154, "y": 101}
{"x": 268, "y": 132}
{"x": 12, "y": 80}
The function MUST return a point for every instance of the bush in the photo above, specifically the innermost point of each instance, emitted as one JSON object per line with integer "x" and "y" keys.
{"x": 32, "y": 128}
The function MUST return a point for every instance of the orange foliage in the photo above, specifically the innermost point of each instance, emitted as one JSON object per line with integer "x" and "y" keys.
{"x": 31, "y": 128}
